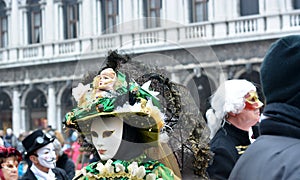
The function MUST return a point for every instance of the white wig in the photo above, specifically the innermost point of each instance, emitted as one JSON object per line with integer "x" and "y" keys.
{"x": 229, "y": 97}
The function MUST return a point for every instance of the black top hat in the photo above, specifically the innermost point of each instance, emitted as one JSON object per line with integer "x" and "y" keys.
{"x": 36, "y": 140}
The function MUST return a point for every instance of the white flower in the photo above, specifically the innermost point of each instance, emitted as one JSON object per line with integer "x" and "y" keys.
{"x": 132, "y": 168}
{"x": 120, "y": 168}
{"x": 109, "y": 167}
{"x": 151, "y": 176}
{"x": 141, "y": 172}
{"x": 80, "y": 90}
{"x": 100, "y": 167}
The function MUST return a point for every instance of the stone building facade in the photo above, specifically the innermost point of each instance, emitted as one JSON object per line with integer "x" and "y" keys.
{"x": 47, "y": 45}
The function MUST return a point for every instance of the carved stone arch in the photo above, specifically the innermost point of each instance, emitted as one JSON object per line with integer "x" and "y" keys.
{"x": 8, "y": 91}
{"x": 212, "y": 79}
{"x": 61, "y": 91}
{"x": 43, "y": 87}
{"x": 25, "y": 92}
{"x": 67, "y": 99}
{"x": 239, "y": 73}
{"x": 7, "y": 3}
{"x": 188, "y": 78}
{"x": 256, "y": 67}
{"x": 5, "y": 95}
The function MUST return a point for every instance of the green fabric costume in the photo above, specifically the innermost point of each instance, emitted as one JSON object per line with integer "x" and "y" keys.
{"x": 125, "y": 170}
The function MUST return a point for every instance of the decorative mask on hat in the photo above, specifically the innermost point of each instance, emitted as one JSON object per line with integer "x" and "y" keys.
{"x": 112, "y": 94}
{"x": 251, "y": 101}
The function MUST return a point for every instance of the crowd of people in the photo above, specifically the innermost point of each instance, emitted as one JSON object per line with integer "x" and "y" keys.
{"x": 65, "y": 154}
{"x": 118, "y": 130}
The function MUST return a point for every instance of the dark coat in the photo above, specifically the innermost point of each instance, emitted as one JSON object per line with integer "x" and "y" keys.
{"x": 269, "y": 157}
{"x": 60, "y": 174}
{"x": 275, "y": 154}
{"x": 65, "y": 163}
{"x": 227, "y": 146}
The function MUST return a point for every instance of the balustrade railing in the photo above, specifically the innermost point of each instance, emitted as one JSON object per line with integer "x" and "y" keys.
{"x": 250, "y": 26}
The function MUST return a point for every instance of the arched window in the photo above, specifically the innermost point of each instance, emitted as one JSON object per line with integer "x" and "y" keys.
{"x": 34, "y": 19}
{"x": 71, "y": 18}
{"x": 3, "y": 25}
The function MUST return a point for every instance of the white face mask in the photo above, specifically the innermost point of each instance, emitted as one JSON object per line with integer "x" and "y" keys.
{"x": 107, "y": 136}
{"x": 46, "y": 156}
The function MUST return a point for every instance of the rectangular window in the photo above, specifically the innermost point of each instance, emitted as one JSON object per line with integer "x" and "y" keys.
{"x": 152, "y": 13}
{"x": 109, "y": 15}
{"x": 4, "y": 32}
{"x": 34, "y": 19}
{"x": 36, "y": 26}
{"x": 296, "y": 4}
{"x": 249, "y": 7}
{"x": 199, "y": 10}
{"x": 72, "y": 21}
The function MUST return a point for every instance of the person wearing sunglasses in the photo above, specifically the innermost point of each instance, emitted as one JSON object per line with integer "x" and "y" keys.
{"x": 9, "y": 161}
{"x": 40, "y": 151}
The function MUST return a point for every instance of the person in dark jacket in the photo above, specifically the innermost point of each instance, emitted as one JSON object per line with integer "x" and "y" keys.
{"x": 234, "y": 110}
{"x": 40, "y": 151}
{"x": 63, "y": 161}
{"x": 275, "y": 154}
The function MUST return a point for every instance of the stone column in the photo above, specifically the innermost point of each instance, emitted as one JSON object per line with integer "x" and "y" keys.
{"x": 58, "y": 118}
{"x": 48, "y": 19}
{"x": 86, "y": 25}
{"x": 60, "y": 23}
{"x": 24, "y": 124}
{"x": 14, "y": 27}
{"x": 16, "y": 120}
{"x": 51, "y": 110}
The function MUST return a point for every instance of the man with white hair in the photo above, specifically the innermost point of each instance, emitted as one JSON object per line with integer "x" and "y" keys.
{"x": 234, "y": 110}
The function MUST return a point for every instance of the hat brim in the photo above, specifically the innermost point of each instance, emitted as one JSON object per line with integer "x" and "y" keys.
{"x": 145, "y": 124}
{"x": 114, "y": 113}
{"x": 34, "y": 148}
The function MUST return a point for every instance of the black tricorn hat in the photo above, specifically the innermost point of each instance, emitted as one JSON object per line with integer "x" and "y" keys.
{"x": 36, "y": 140}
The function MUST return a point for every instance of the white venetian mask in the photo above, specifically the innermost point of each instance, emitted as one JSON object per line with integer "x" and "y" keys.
{"x": 107, "y": 136}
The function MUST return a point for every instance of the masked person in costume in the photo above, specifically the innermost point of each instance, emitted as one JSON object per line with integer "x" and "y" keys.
{"x": 234, "y": 110}
{"x": 9, "y": 161}
{"x": 125, "y": 124}
{"x": 40, "y": 151}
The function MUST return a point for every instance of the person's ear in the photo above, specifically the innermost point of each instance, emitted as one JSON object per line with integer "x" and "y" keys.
{"x": 33, "y": 159}
{"x": 231, "y": 114}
